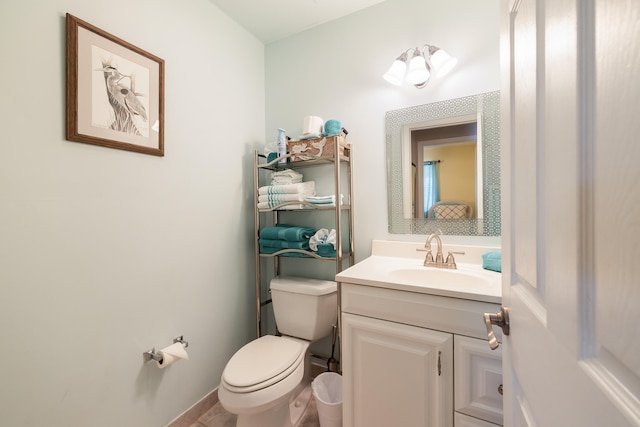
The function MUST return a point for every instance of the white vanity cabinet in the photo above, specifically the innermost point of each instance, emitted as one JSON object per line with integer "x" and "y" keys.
{"x": 414, "y": 359}
{"x": 398, "y": 375}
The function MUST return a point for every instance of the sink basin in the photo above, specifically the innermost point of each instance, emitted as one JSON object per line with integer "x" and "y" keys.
{"x": 399, "y": 266}
{"x": 440, "y": 277}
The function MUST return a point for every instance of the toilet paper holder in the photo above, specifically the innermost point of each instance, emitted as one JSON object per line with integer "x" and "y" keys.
{"x": 152, "y": 355}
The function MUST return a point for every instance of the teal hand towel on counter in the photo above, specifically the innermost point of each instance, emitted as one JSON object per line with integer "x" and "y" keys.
{"x": 492, "y": 261}
{"x": 287, "y": 232}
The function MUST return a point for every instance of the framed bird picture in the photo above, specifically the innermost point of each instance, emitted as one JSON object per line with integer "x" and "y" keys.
{"x": 115, "y": 91}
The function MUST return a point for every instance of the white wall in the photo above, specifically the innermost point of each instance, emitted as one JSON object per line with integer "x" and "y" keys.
{"x": 107, "y": 253}
{"x": 335, "y": 71}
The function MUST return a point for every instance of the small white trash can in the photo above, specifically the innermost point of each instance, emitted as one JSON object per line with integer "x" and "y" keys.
{"x": 327, "y": 391}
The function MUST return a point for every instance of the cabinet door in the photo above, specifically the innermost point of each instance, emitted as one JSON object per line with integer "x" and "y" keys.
{"x": 478, "y": 379}
{"x": 465, "y": 421}
{"x": 395, "y": 374}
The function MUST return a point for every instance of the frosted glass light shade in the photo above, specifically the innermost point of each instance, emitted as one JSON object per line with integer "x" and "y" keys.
{"x": 442, "y": 63}
{"x": 418, "y": 72}
{"x": 395, "y": 74}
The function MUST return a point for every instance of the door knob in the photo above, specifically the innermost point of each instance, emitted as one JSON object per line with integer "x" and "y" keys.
{"x": 499, "y": 319}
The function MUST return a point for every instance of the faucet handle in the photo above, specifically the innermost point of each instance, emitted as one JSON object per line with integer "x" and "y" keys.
{"x": 428, "y": 257}
{"x": 451, "y": 261}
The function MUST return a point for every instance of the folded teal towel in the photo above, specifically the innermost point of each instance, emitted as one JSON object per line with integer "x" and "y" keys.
{"x": 283, "y": 244}
{"x": 492, "y": 261}
{"x": 287, "y": 232}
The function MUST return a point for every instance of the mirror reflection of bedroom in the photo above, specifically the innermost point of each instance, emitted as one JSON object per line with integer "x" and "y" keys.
{"x": 445, "y": 170}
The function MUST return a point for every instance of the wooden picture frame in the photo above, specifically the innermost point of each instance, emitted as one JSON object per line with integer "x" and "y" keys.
{"x": 115, "y": 91}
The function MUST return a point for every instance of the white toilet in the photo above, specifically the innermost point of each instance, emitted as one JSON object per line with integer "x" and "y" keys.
{"x": 267, "y": 382}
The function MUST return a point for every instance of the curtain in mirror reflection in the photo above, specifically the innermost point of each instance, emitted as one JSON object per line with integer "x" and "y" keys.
{"x": 430, "y": 185}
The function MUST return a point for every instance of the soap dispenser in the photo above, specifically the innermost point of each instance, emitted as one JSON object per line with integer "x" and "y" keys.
{"x": 282, "y": 145}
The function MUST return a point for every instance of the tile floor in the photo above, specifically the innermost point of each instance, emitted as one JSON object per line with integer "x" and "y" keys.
{"x": 217, "y": 416}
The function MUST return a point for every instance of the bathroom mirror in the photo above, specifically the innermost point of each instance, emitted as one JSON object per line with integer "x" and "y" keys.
{"x": 480, "y": 111}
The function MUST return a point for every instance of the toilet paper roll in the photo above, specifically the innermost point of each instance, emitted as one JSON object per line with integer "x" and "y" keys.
{"x": 313, "y": 126}
{"x": 172, "y": 354}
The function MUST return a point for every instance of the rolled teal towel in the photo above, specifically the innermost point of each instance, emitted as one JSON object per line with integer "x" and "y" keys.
{"x": 289, "y": 233}
{"x": 283, "y": 244}
{"x": 332, "y": 127}
{"x": 492, "y": 261}
{"x": 326, "y": 250}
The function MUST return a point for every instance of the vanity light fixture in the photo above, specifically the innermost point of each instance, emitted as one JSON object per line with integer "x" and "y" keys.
{"x": 423, "y": 63}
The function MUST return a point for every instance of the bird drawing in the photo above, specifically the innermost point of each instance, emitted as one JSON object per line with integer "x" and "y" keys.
{"x": 123, "y": 99}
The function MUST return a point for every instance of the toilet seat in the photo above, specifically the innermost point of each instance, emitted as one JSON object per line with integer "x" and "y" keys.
{"x": 262, "y": 363}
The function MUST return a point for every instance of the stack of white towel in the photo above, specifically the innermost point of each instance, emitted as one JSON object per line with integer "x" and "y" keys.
{"x": 272, "y": 195}
{"x": 287, "y": 176}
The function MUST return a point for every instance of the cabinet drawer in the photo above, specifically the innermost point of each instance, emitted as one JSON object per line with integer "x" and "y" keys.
{"x": 465, "y": 421}
{"x": 478, "y": 378}
{"x": 458, "y": 316}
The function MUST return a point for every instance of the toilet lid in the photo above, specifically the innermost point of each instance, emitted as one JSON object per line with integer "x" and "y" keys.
{"x": 261, "y": 360}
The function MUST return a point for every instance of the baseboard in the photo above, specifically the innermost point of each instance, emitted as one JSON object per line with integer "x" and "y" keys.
{"x": 192, "y": 414}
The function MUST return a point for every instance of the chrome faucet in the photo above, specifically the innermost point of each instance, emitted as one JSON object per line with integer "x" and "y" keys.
{"x": 428, "y": 260}
{"x": 439, "y": 261}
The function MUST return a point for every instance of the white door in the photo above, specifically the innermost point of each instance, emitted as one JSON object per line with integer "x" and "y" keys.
{"x": 571, "y": 212}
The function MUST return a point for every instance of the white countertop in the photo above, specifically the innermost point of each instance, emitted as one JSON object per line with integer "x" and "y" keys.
{"x": 404, "y": 271}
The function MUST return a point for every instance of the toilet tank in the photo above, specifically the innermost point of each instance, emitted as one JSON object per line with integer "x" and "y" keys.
{"x": 304, "y": 308}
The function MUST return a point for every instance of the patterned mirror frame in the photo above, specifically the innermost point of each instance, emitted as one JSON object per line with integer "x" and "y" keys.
{"x": 487, "y": 105}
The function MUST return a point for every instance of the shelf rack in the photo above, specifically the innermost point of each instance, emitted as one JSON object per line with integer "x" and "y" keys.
{"x": 344, "y": 251}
